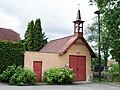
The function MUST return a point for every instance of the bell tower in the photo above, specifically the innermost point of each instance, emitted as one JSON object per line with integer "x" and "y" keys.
{"x": 78, "y": 25}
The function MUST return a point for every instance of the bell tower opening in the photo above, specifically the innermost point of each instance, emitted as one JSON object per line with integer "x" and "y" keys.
{"x": 78, "y": 25}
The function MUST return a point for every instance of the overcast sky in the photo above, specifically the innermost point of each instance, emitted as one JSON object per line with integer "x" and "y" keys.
{"x": 56, "y": 16}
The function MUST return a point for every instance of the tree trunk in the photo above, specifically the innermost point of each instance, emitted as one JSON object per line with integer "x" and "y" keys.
{"x": 105, "y": 61}
{"x": 105, "y": 64}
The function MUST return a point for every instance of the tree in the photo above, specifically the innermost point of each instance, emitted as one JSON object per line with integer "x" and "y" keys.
{"x": 92, "y": 37}
{"x": 95, "y": 64}
{"x": 110, "y": 10}
{"x": 44, "y": 39}
{"x": 34, "y": 38}
{"x": 37, "y": 35}
{"x": 29, "y": 36}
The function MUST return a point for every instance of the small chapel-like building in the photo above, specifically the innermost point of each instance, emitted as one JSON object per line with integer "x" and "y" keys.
{"x": 72, "y": 51}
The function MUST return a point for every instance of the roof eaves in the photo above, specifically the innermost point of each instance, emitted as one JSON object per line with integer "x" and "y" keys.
{"x": 67, "y": 45}
{"x": 91, "y": 51}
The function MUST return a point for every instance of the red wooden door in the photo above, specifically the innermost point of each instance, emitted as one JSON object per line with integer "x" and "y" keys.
{"x": 81, "y": 68}
{"x": 78, "y": 64}
{"x": 37, "y": 67}
{"x": 73, "y": 65}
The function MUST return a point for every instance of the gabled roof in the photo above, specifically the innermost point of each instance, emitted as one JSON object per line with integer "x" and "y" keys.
{"x": 61, "y": 45}
{"x": 9, "y": 34}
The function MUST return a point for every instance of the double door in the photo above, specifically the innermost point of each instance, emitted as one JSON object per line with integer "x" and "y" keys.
{"x": 78, "y": 64}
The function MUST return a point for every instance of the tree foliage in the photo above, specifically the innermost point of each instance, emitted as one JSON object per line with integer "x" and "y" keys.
{"x": 34, "y": 38}
{"x": 92, "y": 36}
{"x": 29, "y": 36}
{"x": 110, "y": 10}
{"x": 95, "y": 64}
{"x": 37, "y": 35}
{"x": 44, "y": 39}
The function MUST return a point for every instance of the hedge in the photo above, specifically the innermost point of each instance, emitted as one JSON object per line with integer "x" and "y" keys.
{"x": 11, "y": 53}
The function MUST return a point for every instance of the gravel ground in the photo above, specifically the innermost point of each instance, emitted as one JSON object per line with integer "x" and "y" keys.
{"x": 90, "y": 86}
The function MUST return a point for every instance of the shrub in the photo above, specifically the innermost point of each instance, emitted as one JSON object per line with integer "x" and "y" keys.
{"x": 5, "y": 76}
{"x": 23, "y": 77}
{"x": 59, "y": 76}
{"x": 11, "y": 53}
{"x": 113, "y": 73}
{"x": 30, "y": 77}
{"x": 18, "y": 71}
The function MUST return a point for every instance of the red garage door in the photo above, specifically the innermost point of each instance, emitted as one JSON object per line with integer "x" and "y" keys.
{"x": 37, "y": 67}
{"x": 78, "y": 64}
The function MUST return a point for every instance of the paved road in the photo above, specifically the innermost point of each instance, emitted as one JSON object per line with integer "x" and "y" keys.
{"x": 90, "y": 86}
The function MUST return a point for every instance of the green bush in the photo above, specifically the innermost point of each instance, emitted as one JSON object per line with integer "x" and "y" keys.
{"x": 113, "y": 73}
{"x": 5, "y": 76}
{"x": 10, "y": 53}
{"x": 59, "y": 76}
{"x": 23, "y": 77}
{"x": 18, "y": 76}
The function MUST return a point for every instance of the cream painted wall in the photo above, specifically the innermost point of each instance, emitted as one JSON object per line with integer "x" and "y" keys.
{"x": 50, "y": 60}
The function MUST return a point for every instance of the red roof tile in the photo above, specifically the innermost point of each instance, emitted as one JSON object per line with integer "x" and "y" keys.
{"x": 61, "y": 45}
{"x": 9, "y": 34}
{"x": 55, "y": 45}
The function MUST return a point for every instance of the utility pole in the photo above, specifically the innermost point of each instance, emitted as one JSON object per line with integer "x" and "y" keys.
{"x": 99, "y": 55}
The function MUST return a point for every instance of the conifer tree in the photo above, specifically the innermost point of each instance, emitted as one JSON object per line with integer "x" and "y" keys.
{"x": 29, "y": 36}
{"x": 34, "y": 38}
{"x": 37, "y": 35}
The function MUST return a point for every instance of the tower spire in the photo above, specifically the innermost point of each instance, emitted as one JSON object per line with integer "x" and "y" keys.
{"x": 78, "y": 13}
{"x": 78, "y": 24}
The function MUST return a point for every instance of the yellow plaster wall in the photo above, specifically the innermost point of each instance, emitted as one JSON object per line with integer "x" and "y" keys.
{"x": 50, "y": 60}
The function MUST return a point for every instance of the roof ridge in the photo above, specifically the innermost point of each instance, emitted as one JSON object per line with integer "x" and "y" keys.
{"x": 9, "y": 30}
{"x": 61, "y": 38}
{"x": 9, "y": 34}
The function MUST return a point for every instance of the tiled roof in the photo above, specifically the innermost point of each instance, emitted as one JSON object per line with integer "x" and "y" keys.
{"x": 9, "y": 34}
{"x": 55, "y": 45}
{"x": 61, "y": 45}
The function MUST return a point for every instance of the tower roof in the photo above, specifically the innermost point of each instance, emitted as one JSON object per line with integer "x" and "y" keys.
{"x": 78, "y": 15}
{"x": 78, "y": 25}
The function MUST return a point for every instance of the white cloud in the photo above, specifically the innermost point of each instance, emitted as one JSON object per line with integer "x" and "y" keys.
{"x": 7, "y": 21}
{"x": 56, "y": 15}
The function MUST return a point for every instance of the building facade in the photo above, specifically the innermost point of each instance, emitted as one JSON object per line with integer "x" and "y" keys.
{"x": 72, "y": 51}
